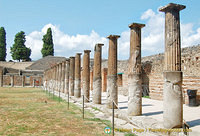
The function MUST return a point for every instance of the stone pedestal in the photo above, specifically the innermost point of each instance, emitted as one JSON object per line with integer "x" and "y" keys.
{"x": 86, "y": 75}
{"x": 112, "y": 90}
{"x": 173, "y": 100}
{"x": 67, "y": 76}
{"x": 134, "y": 71}
{"x": 77, "y": 88}
{"x": 71, "y": 76}
{"x": 97, "y": 74}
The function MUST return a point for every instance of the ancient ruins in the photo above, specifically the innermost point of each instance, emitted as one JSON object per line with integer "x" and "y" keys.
{"x": 163, "y": 77}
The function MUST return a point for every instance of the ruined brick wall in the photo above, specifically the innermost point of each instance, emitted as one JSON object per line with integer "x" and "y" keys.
{"x": 6, "y": 80}
{"x": 17, "y": 80}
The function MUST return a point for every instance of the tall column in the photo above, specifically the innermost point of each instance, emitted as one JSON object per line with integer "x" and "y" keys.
{"x": 91, "y": 78}
{"x": 104, "y": 79}
{"x": 57, "y": 76}
{"x": 67, "y": 76}
{"x": 60, "y": 77}
{"x": 63, "y": 76}
{"x": 86, "y": 75}
{"x": 134, "y": 71}
{"x": 97, "y": 74}
{"x": 23, "y": 80}
{"x": 112, "y": 90}
{"x": 77, "y": 86}
{"x": 172, "y": 92}
{"x": 71, "y": 76}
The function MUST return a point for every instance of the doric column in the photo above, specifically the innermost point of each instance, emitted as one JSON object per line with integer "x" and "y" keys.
{"x": 71, "y": 76}
{"x": 134, "y": 71}
{"x": 67, "y": 76}
{"x": 86, "y": 75}
{"x": 60, "y": 77}
{"x": 77, "y": 86}
{"x": 97, "y": 74}
{"x": 63, "y": 76}
{"x": 112, "y": 90}
{"x": 57, "y": 76}
{"x": 172, "y": 92}
{"x": 23, "y": 80}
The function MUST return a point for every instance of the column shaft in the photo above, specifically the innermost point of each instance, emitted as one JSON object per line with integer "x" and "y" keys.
{"x": 172, "y": 92}
{"x": 77, "y": 88}
{"x": 112, "y": 90}
{"x": 134, "y": 71}
{"x": 97, "y": 74}
{"x": 67, "y": 76}
{"x": 86, "y": 75}
{"x": 71, "y": 76}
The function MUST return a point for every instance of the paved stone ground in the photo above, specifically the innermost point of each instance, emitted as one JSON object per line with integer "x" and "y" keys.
{"x": 151, "y": 119}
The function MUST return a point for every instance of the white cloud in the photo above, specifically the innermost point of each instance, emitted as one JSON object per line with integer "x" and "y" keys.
{"x": 152, "y": 39}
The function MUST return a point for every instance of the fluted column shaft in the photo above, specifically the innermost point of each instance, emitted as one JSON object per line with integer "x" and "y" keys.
{"x": 77, "y": 88}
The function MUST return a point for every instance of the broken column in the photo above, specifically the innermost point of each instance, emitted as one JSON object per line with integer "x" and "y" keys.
{"x": 97, "y": 74}
{"x": 86, "y": 75}
{"x": 134, "y": 71}
{"x": 112, "y": 90}
{"x": 77, "y": 84}
{"x": 71, "y": 76}
{"x": 67, "y": 76}
{"x": 172, "y": 92}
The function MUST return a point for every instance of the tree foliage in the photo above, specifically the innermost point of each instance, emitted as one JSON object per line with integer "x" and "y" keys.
{"x": 19, "y": 51}
{"x": 2, "y": 44}
{"x": 48, "y": 47}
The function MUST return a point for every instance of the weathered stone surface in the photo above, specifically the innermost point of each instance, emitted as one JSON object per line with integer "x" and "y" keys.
{"x": 67, "y": 76}
{"x": 97, "y": 75}
{"x": 173, "y": 100}
{"x": 86, "y": 75}
{"x": 135, "y": 95}
{"x": 112, "y": 92}
{"x": 71, "y": 76}
{"x": 77, "y": 88}
{"x": 135, "y": 70}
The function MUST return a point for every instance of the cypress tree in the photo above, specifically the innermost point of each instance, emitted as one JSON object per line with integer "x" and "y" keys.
{"x": 48, "y": 47}
{"x": 19, "y": 51}
{"x": 2, "y": 44}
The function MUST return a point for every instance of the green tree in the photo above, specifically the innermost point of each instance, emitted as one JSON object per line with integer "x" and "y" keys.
{"x": 48, "y": 48}
{"x": 2, "y": 44}
{"x": 19, "y": 51}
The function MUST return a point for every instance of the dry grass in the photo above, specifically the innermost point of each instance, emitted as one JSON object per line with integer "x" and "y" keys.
{"x": 23, "y": 111}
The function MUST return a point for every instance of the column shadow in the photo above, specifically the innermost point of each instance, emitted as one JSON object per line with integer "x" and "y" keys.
{"x": 152, "y": 113}
{"x": 194, "y": 123}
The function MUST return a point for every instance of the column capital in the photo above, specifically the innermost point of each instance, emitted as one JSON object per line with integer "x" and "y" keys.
{"x": 99, "y": 44}
{"x": 67, "y": 59}
{"x": 71, "y": 57}
{"x": 87, "y": 51}
{"x": 136, "y": 25}
{"x": 172, "y": 6}
{"x": 79, "y": 54}
{"x": 113, "y": 36}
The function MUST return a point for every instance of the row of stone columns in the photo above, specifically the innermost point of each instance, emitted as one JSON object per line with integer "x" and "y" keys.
{"x": 71, "y": 68}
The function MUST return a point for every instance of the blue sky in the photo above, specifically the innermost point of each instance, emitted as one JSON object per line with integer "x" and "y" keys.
{"x": 78, "y": 24}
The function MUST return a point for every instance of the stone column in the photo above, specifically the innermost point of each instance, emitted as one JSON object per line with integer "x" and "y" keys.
{"x": 172, "y": 92}
{"x": 77, "y": 84}
{"x": 134, "y": 71}
{"x": 97, "y": 74}
{"x": 63, "y": 76}
{"x": 112, "y": 90}
{"x": 86, "y": 75}
{"x": 57, "y": 77}
{"x": 71, "y": 76}
{"x": 60, "y": 76}
{"x": 104, "y": 79}
{"x": 67, "y": 76}
{"x": 91, "y": 79}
